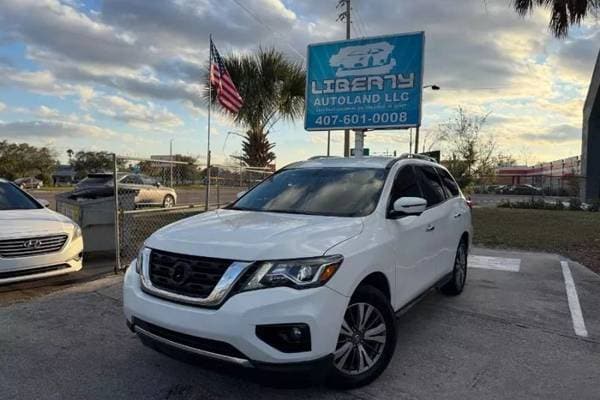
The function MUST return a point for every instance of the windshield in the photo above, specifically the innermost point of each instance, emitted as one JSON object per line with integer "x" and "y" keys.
{"x": 99, "y": 180}
{"x": 342, "y": 192}
{"x": 11, "y": 198}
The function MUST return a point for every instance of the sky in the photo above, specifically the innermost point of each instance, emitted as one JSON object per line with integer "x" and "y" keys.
{"x": 125, "y": 75}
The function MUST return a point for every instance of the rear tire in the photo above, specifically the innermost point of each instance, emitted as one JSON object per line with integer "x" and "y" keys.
{"x": 367, "y": 339}
{"x": 168, "y": 201}
{"x": 459, "y": 273}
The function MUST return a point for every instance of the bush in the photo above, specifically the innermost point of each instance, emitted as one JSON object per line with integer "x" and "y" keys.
{"x": 540, "y": 204}
{"x": 575, "y": 204}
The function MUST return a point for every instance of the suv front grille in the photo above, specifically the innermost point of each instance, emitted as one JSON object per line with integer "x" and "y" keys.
{"x": 31, "y": 246}
{"x": 186, "y": 275}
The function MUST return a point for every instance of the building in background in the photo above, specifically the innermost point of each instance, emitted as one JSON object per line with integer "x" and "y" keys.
{"x": 559, "y": 177}
{"x": 64, "y": 175}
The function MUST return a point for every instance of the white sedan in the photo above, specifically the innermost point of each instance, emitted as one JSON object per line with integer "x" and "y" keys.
{"x": 35, "y": 242}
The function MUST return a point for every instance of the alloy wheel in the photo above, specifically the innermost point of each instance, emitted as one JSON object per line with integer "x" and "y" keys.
{"x": 361, "y": 340}
{"x": 460, "y": 267}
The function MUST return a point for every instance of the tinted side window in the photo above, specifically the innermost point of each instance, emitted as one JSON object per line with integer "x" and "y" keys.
{"x": 405, "y": 185}
{"x": 431, "y": 185}
{"x": 449, "y": 183}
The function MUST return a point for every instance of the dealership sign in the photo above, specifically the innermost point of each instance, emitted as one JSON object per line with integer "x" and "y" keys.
{"x": 373, "y": 82}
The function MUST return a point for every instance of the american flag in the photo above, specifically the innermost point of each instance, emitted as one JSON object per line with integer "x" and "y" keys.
{"x": 227, "y": 94}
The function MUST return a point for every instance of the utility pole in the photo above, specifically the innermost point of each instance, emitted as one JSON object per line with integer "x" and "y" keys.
{"x": 345, "y": 16}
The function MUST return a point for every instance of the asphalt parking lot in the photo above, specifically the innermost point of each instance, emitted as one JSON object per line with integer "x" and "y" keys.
{"x": 522, "y": 329}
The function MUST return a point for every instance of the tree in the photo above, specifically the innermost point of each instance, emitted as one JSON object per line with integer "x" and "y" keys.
{"x": 564, "y": 13}
{"x": 273, "y": 89}
{"x": 23, "y": 160}
{"x": 70, "y": 154}
{"x": 472, "y": 153}
{"x": 87, "y": 162}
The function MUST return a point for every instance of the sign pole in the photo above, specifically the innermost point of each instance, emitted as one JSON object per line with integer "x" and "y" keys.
{"x": 359, "y": 142}
{"x": 347, "y": 131}
{"x": 328, "y": 143}
{"x": 417, "y": 140}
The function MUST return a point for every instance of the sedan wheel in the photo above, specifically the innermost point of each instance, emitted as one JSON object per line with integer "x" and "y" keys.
{"x": 169, "y": 201}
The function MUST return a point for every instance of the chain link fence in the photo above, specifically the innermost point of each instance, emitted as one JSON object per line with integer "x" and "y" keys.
{"x": 153, "y": 193}
{"x": 530, "y": 185}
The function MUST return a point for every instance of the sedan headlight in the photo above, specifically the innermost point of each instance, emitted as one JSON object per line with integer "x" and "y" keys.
{"x": 76, "y": 231}
{"x": 298, "y": 274}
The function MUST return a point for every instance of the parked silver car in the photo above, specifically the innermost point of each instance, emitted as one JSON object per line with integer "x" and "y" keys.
{"x": 150, "y": 191}
{"x": 29, "y": 183}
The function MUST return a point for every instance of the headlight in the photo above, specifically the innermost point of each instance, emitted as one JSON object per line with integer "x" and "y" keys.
{"x": 76, "y": 231}
{"x": 299, "y": 274}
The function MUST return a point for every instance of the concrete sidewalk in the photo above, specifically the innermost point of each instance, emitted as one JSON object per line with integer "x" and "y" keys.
{"x": 509, "y": 335}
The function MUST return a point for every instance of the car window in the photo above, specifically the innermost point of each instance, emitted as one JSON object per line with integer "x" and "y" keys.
{"x": 430, "y": 183}
{"x": 449, "y": 183}
{"x": 148, "y": 180}
{"x": 405, "y": 185}
{"x": 343, "y": 192}
{"x": 132, "y": 180}
{"x": 12, "y": 198}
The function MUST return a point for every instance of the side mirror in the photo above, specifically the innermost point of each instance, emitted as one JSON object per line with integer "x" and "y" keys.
{"x": 409, "y": 206}
{"x": 157, "y": 184}
{"x": 43, "y": 202}
{"x": 240, "y": 194}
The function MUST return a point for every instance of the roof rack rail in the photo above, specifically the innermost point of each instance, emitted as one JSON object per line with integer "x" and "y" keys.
{"x": 417, "y": 156}
{"x": 405, "y": 156}
{"x": 319, "y": 157}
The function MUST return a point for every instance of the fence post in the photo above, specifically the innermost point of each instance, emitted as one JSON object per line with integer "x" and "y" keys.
{"x": 117, "y": 230}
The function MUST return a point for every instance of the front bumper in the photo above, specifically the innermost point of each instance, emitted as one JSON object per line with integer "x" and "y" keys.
{"x": 65, "y": 261}
{"x": 234, "y": 322}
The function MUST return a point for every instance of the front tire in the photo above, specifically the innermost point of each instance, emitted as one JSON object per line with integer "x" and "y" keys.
{"x": 367, "y": 339}
{"x": 168, "y": 201}
{"x": 459, "y": 273}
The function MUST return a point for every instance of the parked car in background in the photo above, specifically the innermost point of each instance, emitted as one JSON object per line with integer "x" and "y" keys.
{"x": 150, "y": 191}
{"x": 305, "y": 271}
{"x": 29, "y": 183}
{"x": 35, "y": 242}
{"x": 528, "y": 190}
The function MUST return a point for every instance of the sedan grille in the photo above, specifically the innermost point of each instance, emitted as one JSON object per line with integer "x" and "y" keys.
{"x": 32, "y": 246}
{"x": 186, "y": 275}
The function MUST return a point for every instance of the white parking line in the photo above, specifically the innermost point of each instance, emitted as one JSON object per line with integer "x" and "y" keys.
{"x": 495, "y": 263}
{"x": 576, "y": 314}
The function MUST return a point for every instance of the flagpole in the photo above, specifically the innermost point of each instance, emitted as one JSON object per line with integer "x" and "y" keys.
{"x": 207, "y": 193}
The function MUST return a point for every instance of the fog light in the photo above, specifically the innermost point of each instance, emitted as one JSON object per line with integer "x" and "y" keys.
{"x": 287, "y": 338}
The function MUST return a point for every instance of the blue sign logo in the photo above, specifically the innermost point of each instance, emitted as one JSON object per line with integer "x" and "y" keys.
{"x": 365, "y": 83}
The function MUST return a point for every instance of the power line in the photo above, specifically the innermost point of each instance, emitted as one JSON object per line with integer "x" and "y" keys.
{"x": 360, "y": 20}
{"x": 267, "y": 26}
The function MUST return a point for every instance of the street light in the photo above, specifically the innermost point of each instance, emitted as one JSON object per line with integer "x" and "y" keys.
{"x": 434, "y": 88}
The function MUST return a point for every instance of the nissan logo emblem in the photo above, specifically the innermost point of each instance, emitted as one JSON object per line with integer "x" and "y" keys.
{"x": 180, "y": 272}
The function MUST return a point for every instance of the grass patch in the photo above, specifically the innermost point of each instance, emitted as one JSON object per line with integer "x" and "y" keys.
{"x": 571, "y": 233}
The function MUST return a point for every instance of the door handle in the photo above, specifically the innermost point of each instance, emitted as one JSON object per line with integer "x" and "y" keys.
{"x": 430, "y": 228}
{"x": 457, "y": 215}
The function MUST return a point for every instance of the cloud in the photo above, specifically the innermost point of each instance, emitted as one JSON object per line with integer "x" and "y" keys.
{"x": 146, "y": 116}
{"x": 40, "y": 129}
{"x": 2, "y": 106}
{"x": 556, "y": 134}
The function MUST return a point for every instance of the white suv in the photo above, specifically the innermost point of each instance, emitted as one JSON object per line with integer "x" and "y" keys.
{"x": 305, "y": 270}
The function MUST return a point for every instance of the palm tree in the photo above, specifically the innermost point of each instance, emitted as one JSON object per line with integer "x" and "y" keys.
{"x": 272, "y": 87}
{"x": 564, "y": 12}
